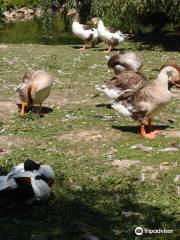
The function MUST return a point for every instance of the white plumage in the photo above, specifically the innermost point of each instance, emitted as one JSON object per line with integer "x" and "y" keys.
{"x": 82, "y": 31}
{"x": 79, "y": 31}
{"x": 108, "y": 35}
{"x": 29, "y": 173}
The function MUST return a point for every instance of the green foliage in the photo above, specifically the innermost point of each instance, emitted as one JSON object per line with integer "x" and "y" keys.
{"x": 117, "y": 13}
{"x": 20, "y": 3}
{"x": 130, "y": 14}
{"x": 1, "y": 9}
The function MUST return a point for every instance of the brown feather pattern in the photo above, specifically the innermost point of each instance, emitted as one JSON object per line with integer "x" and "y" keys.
{"x": 127, "y": 80}
{"x": 86, "y": 27}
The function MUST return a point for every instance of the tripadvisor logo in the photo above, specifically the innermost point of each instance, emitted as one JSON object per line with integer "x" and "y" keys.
{"x": 139, "y": 231}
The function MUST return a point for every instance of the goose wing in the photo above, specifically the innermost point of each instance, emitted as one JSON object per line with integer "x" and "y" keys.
{"x": 128, "y": 82}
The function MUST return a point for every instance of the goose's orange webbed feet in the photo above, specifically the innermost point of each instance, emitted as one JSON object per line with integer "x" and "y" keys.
{"x": 150, "y": 135}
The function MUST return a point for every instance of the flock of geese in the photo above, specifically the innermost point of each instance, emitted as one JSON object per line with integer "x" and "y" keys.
{"x": 90, "y": 35}
{"x": 130, "y": 94}
{"x": 128, "y": 90}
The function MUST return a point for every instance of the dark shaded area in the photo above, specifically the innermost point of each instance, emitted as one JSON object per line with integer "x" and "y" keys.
{"x": 157, "y": 19}
{"x": 80, "y": 46}
{"x": 106, "y": 105}
{"x": 136, "y": 129}
{"x": 3, "y": 171}
{"x": 69, "y": 217}
{"x": 35, "y": 109}
{"x": 105, "y": 48}
{"x": 168, "y": 40}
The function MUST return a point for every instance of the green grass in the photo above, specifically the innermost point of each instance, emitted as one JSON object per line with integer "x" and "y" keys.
{"x": 80, "y": 139}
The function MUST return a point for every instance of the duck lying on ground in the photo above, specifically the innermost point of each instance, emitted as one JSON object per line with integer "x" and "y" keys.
{"x": 27, "y": 182}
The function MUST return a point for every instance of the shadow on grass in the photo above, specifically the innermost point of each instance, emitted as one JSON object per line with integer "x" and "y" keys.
{"x": 136, "y": 129}
{"x": 104, "y": 49}
{"x": 107, "y": 105}
{"x": 107, "y": 214}
{"x": 80, "y": 46}
{"x": 35, "y": 109}
{"x": 169, "y": 41}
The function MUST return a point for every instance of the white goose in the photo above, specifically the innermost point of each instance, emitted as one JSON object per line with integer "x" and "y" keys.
{"x": 27, "y": 182}
{"x": 82, "y": 31}
{"x": 108, "y": 35}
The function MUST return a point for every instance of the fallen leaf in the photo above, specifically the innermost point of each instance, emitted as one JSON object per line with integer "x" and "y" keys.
{"x": 177, "y": 178}
{"x": 142, "y": 147}
{"x": 169, "y": 149}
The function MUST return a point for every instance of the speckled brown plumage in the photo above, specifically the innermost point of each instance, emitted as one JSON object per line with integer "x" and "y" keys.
{"x": 128, "y": 80}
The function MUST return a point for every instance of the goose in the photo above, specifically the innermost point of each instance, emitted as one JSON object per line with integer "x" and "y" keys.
{"x": 34, "y": 89}
{"x": 125, "y": 61}
{"x": 108, "y": 35}
{"x": 27, "y": 182}
{"x": 148, "y": 100}
{"x": 82, "y": 31}
{"x": 127, "y": 78}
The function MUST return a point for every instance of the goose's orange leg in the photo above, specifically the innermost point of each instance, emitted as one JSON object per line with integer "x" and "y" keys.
{"x": 150, "y": 135}
{"x": 84, "y": 46}
{"x": 24, "y": 105}
{"x": 109, "y": 49}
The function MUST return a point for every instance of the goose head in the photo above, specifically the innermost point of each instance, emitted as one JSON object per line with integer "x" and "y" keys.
{"x": 96, "y": 21}
{"x": 173, "y": 73}
{"x": 72, "y": 12}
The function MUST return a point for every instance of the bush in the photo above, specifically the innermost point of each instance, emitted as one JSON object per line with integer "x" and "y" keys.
{"x": 20, "y": 3}
{"x": 130, "y": 15}
{"x": 121, "y": 14}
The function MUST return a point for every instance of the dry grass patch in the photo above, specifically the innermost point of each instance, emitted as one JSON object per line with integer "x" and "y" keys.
{"x": 58, "y": 100}
{"x": 7, "y": 108}
{"x": 171, "y": 133}
{"x": 90, "y": 135}
{"x": 8, "y": 143}
{"x": 125, "y": 163}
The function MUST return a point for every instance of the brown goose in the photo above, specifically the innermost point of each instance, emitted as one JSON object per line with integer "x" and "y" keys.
{"x": 127, "y": 79}
{"x": 123, "y": 85}
{"x": 147, "y": 101}
{"x": 34, "y": 89}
